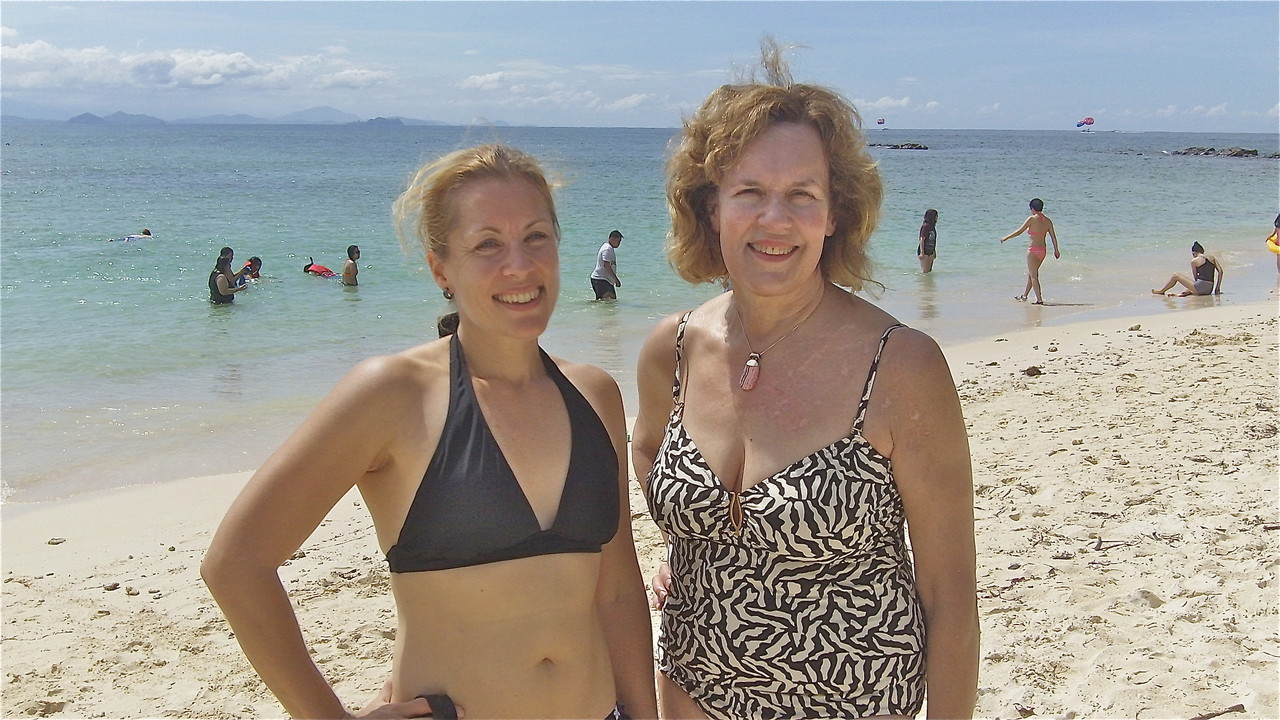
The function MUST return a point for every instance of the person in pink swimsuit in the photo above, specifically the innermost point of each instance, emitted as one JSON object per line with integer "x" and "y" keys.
{"x": 1037, "y": 227}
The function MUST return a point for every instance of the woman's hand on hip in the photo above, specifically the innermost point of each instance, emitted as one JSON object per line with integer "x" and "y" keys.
{"x": 661, "y": 586}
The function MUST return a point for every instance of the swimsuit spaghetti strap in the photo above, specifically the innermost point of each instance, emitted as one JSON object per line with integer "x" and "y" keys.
{"x": 871, "y": 377}
{"x": 677, "y": 388}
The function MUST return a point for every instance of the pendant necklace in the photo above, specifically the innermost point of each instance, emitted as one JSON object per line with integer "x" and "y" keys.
{"x": 751, "y": 370}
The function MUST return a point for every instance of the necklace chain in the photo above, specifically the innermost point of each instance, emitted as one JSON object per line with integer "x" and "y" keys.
{"x": 784, "y": 335}
{"x": 751, "y": 369}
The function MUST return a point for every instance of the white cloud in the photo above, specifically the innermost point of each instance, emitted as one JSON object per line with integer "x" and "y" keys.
{"x": 531, "y": 69}
{"x": 629, "y": 102}
{"x": 884, "y": 103}
{"x": 1167, "y": 111}
{"x": 1274, "y": 112}
{"x": 199, "y": 69}
{"x": 352, "y": 79}
{"x": 492, "y": 81}
{"x": 564, "y": 98}
{"x": 932, "y": 106}
{"x": 40, "y": 65}
{"x": 8, "y": 36}
{"x": 989, "y": 109}
{"x": 1215, "y": 111}
{"x": 617, "y": 73}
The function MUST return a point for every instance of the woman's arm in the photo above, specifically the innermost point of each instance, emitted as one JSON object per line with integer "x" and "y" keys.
{"x": 620, "y": 597}
{"x": 1053, "y": 235}
{"x": 279, "y": 508}
{"x": 655, "y": 375}
{"x": 225, "y": 287}
{"x": 1217, "y": 288}
{"x": 930, "y": 455}
{"x": 1025, "y": 224}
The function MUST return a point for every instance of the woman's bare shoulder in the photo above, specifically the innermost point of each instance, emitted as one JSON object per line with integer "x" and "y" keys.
{"x": 597, "y": 386}
{"x": 419, "y": 367}
{"x": 659, "y": 346}
{"x": 665, "y": 329}
{"x": 907, "y": 345}
{"x": 586, "y": 376}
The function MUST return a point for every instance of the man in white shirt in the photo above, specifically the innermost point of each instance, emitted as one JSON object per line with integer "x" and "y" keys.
{"x": 605, "y": 277}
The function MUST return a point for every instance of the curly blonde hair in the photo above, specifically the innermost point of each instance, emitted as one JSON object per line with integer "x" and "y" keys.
{"x": 424, "y": 212}
{"x": 714, "y": 139}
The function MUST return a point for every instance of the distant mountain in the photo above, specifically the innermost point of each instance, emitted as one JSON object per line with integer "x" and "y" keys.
{"x": 242, "y": 119}
{"x": 413, "y": 121}
{"x": 87, "y": 119}
{"x": 323, "y": 115}
{"x": 312, "y": 116}
{"x": 115, "y": 118}
{"x": 123, "y": 118}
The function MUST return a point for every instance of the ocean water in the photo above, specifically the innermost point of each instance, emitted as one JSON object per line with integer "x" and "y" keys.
{"x": 115, "y": 370}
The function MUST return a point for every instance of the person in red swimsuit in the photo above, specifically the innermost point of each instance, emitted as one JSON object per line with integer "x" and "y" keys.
{"x": 313, "y": 268}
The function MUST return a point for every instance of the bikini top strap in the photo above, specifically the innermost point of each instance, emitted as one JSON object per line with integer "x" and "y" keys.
{"x": 871, "y": 377}
{"x": 677, "y": 386}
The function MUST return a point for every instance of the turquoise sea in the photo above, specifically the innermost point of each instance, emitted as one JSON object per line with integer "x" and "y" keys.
{"x": 115, "y": 369}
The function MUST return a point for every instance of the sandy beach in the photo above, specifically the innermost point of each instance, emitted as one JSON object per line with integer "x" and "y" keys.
{"x": 1126, "y": 500}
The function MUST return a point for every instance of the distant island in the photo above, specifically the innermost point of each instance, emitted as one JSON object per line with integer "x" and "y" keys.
{"x": 311, "y": 116}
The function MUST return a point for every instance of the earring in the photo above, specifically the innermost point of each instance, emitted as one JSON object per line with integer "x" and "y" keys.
{"x": 448, "y": 295}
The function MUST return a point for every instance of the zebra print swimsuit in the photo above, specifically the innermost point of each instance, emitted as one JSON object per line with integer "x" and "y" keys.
{"x": 808, "y": 609}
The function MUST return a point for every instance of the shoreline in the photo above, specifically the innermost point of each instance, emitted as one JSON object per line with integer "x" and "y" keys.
{"x": 1125, "y": 502}
{"x": 142, "y": 450}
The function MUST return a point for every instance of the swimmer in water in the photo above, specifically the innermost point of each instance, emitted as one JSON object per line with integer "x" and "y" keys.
{"x": 312, "y": 268}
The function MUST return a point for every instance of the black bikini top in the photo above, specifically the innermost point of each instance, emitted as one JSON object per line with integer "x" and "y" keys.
{"x": 469, "y": 508}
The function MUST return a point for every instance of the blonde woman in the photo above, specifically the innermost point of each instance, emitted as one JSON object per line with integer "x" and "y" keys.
{"x": 495, "y": 477}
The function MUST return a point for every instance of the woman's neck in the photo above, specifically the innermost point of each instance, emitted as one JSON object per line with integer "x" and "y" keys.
{"x": 766, "y": 318}
{"x": 514, "y": 361}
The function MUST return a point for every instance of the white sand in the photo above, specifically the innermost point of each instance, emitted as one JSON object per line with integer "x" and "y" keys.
{"x": 1127, "y": 536}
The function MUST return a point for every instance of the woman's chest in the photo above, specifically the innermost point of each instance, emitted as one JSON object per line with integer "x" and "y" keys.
{"x": 840, "y": 500}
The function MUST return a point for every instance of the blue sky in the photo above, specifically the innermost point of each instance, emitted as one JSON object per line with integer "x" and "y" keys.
{"x": 1003, "y": 65}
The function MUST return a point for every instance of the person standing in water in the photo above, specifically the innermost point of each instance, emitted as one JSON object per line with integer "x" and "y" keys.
{"x": 350, "y": 270}
{"x": 605, "y": 277}
{"x": 222, "y": 282}
{"x": 1037, "y": 227}
{"x": 927, "y": 250}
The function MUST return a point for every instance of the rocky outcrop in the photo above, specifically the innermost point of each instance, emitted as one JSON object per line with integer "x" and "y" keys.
{"x": 1225, "y": 152}
{"x": 902, "y": 146}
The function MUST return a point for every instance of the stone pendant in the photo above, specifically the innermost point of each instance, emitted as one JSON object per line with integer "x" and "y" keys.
{"x": 750, "y": 372}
